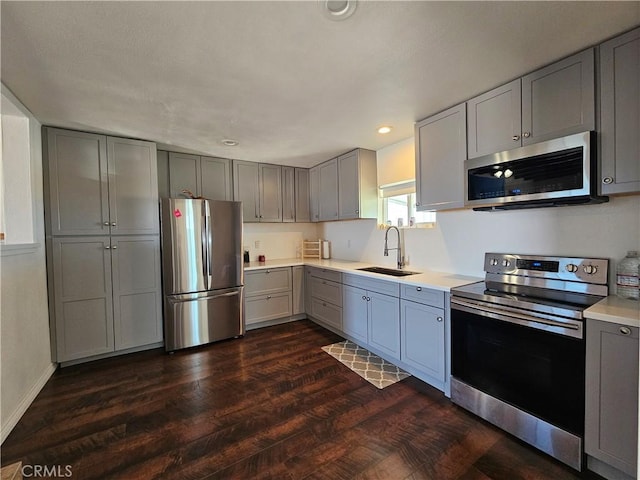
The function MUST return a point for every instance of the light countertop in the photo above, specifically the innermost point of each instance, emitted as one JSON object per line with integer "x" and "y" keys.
{"x": 427, "y": 279}
{"x": 616, "y": 310}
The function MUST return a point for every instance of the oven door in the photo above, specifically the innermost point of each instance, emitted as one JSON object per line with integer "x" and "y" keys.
{"x": 521, "y": 363}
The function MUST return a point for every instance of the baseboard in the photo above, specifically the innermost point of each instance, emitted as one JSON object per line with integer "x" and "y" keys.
{"x": 9, "y": 423}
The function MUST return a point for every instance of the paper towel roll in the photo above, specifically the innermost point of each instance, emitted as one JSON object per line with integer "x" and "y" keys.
{"x": 326, "y": 249}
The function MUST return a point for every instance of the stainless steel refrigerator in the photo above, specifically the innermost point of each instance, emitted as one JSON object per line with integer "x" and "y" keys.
{"x": 202, "y": 271}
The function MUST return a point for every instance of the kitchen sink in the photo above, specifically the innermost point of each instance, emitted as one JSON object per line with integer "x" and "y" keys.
{"x": 388, "y": 271}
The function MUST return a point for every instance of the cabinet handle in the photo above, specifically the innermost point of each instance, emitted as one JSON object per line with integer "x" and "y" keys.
{"x": 419, "y": 289}
{"x": 357, "y": 211}
{"x": 625, "y": 330}
{"x": 526, "y": 134}
{"x": 106, "y": 224}
{"x": 439, "y": 319}
{"x": 113, "y": 224}
{"x": 324, "y": 283}
{"x": 107, "y": 247}
{"x": 268, "y": 297}
{"x": 324, "y": 304}
{"x": 363, "y": 297}
{"x": 607, "y": 180}
{"x": 515, "y": 138}
{"x": 268, "y": 271}
{"x": 417, "y": 204}
{"x": 114, "y": 247}
{"x": 368, "y": 299}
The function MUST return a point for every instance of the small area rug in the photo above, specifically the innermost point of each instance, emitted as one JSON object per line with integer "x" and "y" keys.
{"x": 372, "y": 368}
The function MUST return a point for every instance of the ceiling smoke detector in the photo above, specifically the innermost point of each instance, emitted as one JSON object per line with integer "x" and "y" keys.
{"x": 338, "y": 9}
{"x": 230, "y": 143}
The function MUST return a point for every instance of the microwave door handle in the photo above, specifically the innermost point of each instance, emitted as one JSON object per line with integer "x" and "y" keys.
{"x": 517, "y": 318}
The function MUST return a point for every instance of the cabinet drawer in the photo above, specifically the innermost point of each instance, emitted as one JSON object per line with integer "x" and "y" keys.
{"x": 372, "y": 284}
{"x": 267, "y": 307}
{"x": 269, "y": 280}
{"x": 326, "y": 290}
{"x": 325, "y": 274}
{"x": 423, "y": 295}
{"x": 327, "y": 313}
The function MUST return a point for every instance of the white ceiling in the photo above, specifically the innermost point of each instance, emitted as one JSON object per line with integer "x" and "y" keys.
{"x": 292, "y": 86}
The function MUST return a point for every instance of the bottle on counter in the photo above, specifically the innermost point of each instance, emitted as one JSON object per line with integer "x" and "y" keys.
{"x": 628, "y": 276}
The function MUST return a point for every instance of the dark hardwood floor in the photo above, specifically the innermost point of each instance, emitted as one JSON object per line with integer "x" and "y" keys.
{"x": 272, "y": 405}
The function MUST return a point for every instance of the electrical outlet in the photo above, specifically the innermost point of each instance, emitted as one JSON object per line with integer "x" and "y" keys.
{"x": 256, "y": 244}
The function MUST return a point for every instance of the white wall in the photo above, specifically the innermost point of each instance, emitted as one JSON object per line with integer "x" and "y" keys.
{"x": 25, "y": 355}
{"x": 277, "y": 240}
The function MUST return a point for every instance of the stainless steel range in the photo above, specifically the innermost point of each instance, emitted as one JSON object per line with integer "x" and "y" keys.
{"x": 518, "y": 349}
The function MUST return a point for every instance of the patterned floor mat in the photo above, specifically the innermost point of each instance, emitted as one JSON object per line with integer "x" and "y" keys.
{"x": 372, "y": 368}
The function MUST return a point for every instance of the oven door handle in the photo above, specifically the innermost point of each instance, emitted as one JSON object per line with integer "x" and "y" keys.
{"x": 568, "y": 328}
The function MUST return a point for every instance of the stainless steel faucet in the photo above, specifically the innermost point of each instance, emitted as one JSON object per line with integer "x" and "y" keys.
{"x": 400, "y": 258}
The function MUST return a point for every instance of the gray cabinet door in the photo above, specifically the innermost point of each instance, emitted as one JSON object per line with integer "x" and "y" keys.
{"x": 288, "y": 194}
{"x": 184, "y": 174}
{"x": 314, "y": 193}
{"x": 441, "y": 149}
{"x": 384, "y": 323}
{"x": 611, "y": 410}
{"x": 76, "y": 182}
{"x": 355, "y": 313}
{"x": 82, "y": 296}
{"x": 559, "y": 99}
{"x": 423, "y": 338}
{"x": 328, "y": 190}
{"x": 133, "y": 187}
{"x": 348, "y": 186}
{"x": 494, "y": 120}
{"x": 303, "y": 199}
{"x": 246, "y": 189}
{"x": 215, "y": 178}
{"x": 620, "y": 113}
{"x": 137, "y": 299}
{"x": 163, "y": 173}
{"x": 270, "y": 193}
{"x": 308, "y": 289}
{"x": 298, "y": 290}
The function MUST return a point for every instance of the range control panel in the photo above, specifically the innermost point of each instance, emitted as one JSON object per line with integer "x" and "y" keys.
{"x": 572, "y": 269}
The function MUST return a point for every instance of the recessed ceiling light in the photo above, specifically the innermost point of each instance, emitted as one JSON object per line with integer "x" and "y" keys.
{"x": 230, "y": 143}
{"x": 385, "y": 129}
{"x": 338, "y": 9}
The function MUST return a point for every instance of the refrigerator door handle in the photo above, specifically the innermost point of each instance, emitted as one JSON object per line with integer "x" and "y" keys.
{"x": 176, "y": 299}
{"x": 208, "y": 271}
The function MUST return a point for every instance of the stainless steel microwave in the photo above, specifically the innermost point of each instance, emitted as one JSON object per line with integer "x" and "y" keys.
{"x": 557, "y": 172}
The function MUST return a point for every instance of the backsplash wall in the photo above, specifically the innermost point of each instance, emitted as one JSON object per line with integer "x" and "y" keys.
{"x": 277, "y": 240}
{"x": 460, "y": 239}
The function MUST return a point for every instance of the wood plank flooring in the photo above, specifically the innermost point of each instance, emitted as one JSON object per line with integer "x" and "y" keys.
{"x": 272, "y": 405}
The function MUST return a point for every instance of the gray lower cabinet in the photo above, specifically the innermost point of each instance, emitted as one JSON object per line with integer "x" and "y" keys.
{"x": 268, "y": 295}
{"x": 324, "y": 296}
{"x": 209, "y": 177}
{"x": 106, "y": 294}
{"x": 441, "y": 149}
{"x": 611, "y": 410}
{"x": 298, "y": 277}
{"x": 384, "y": 323}
{"x": 423, "y": 340}
{"x": 355, "y": 313}
{"x": 620, "y": 114}
{"x": 99, "y": 185}
{"x": 302, "y": 195}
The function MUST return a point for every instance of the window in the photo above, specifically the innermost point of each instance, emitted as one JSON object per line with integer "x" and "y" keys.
{"x": 398, "y": 207}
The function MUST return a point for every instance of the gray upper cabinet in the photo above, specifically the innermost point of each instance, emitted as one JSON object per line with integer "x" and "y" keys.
{"x": 554, "y": 101}
{"x": 215, "y": 178}
{"x": 494, "y": 120}
{"x": 133, "y": 187}
{"x": 620, "y": 113}
{"x": 328, "y": 190}
{"x": 314, "y": 193}
{"x": 246, "y": 189}
{"x": 98, "y": 185}
{"x": 357, "y": 185}
{"x": 209, "y": 177}
{"x": 270, "y": 193}
{"x": 441, "y": 149}
{"x": 288, "y": 194}
{"x": 611, "y": 410}
{"x": 259, "y": 187}
{"x": 302, "y": 195}
{"x": 184, "y": 174}
{"x": 559, "y": 99}
{"x": 163, "y": 174}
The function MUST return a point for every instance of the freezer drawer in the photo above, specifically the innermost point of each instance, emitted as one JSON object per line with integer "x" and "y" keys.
{"x": 197, "y": 319}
